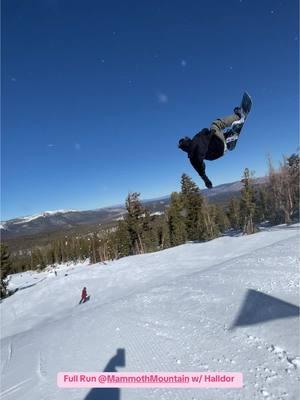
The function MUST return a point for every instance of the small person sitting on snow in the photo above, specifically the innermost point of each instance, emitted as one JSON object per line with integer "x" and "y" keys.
{"x": 83, "y": 296}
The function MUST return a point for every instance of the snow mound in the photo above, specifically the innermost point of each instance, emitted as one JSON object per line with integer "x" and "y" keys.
{"x": 230, "y": 304}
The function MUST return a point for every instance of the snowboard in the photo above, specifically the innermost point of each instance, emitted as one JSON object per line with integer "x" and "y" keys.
{"x": 87, "y": 299}
{"x": 233, "y": 133}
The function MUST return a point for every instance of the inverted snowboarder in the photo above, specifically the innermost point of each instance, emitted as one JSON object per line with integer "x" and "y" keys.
{"x": 210, "y": 144}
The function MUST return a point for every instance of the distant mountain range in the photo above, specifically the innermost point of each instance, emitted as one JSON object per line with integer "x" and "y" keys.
{"x": 57, "y": 220}
{"x": 62, "y": 220}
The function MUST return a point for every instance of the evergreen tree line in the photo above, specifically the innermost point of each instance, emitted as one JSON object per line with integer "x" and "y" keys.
{"x": 189, "y": 217}
{"x": 275, "y": 202}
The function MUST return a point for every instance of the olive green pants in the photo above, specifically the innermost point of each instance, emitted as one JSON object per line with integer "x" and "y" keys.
{"x": 220, "y": 124}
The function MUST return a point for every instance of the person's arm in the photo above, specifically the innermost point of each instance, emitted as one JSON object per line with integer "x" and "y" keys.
{"x": 199, "y": 166}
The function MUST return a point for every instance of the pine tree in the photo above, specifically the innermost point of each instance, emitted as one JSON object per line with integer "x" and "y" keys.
{"x": 192, "y": 205}
{"x": 274, "y": 210}
{"x": 5, "y": 268}
{"x": 123, "y": 240}
{"x": 233, "y": 213}
{"x": 51, "y": 255}
{"x": 261, "y": 201}
{"x": 283, "y": 191}
{"x": 57, "y": 252}
{"x": 289, "y": 184}
{"x": 149, "y": 234}
{"x": 107, "y": 249}
{"x": 210, "y": 228}
{"x": 221, "y": 218}
{"x": 247, "y": 204}
{"x": 94, "y": 256}
{"x": 163, "y": 232}
{"x": 176, "y": 220}
{"x": 293, "y": 166}
{"x": 133, "y": 219}
{"x": 37, "y": 259}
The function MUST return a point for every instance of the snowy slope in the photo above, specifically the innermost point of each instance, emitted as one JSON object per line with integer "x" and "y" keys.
{"x": 226, "y": 305}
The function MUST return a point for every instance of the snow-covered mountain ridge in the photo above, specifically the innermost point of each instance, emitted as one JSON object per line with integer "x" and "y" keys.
{"x": 42, "y": 215}
{"x": 66, "y": 219}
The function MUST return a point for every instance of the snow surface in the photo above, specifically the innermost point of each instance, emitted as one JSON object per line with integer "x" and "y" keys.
{"x": 230, "y": 304}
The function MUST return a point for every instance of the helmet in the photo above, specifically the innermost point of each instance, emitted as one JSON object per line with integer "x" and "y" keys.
{"x": 184, "y": 143}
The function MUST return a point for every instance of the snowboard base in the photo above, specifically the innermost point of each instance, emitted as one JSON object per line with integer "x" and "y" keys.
{"x": 233, "y": 133}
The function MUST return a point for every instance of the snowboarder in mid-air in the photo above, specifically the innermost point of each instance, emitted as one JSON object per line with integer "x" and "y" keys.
{"x": 210, "y": 144}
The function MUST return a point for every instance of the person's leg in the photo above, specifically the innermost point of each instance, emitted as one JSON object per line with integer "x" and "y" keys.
{"x": 218, "y": 126}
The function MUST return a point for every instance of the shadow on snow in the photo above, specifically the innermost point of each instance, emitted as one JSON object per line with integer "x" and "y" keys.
{"x": 259, "y": 307}
{"x": 109, "y": 393}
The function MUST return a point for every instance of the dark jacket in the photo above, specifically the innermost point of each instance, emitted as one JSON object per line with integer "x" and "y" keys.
{"x": 83, "y": 294}
{"x": 203, "y": 146}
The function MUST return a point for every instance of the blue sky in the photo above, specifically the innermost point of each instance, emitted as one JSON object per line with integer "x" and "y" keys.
{"x": 96, "y": 94}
